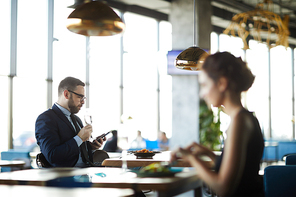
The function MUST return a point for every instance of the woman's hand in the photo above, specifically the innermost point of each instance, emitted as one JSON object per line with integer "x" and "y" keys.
{"x": 181, "y": 153}
{"x": 193, "y": 150}
{"x": 197, "y": 149}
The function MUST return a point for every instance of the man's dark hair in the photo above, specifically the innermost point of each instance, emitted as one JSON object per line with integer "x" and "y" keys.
{"x": 69, "y": 83}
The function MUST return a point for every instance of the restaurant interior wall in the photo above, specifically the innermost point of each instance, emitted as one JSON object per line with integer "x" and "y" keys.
{"x": 106, "y": 56}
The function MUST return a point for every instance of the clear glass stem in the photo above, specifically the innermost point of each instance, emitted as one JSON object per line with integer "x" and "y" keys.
{"x": 123, "y": 157}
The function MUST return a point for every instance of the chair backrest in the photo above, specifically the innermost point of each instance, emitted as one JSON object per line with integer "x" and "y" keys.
{"x": 99, "y": 156}
{"x": 280, "y": 181}
{"x": 41, "y": 161}
{"x": 291, "y": 159}
{"x": 152, "y": 145}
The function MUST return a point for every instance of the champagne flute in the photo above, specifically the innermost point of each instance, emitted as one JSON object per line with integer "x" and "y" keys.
{"x": 88, "y": 121}
{"x": 124, "y": 147}
{"x": 87, "y": 117}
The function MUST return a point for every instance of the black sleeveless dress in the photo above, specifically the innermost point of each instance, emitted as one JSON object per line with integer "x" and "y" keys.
{"x": 251, "y": 183}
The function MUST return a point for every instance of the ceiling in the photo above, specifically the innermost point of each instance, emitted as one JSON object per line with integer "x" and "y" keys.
{"x": 223, "y": 10}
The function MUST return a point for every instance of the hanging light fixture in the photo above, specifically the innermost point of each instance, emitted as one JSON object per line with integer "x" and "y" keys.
{"x": 193, "y": 57}
{"x": 95, "y": 18}
{"x": 260, "y": 23}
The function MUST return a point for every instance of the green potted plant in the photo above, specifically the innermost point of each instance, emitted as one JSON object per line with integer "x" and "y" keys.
{"x": 209, "y": 127}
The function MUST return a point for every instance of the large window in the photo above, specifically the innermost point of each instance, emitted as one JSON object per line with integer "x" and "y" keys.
{"x": 165, "y": 80}
{"x": 5, "y": 38}
{"x": 32, "y": 39}
{"x": 105, "y": 82}
{"x": 140, "y": 75}
{"x": 29, "y": 87}
{"x": 4, "y": 113}
{"x": 4, "y": 71}
{"x": 233, "y": 45}
{"x": 69, "y": 49}
{"x": 28, "y": 103}
{"x": 257, "y": 96}
{"x": 281, "y": 92}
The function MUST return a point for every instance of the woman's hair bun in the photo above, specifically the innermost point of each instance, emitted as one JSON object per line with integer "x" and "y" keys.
{"x": 224, "y": 64}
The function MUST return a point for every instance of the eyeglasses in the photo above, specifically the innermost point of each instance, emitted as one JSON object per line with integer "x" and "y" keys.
{"x": 82, "y": 97}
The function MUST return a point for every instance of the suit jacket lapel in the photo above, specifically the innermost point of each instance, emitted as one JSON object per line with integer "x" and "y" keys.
{"x": 62, "y": 116}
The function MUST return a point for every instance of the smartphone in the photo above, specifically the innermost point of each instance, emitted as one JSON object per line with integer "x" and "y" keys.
{"x": 103, "y": 135}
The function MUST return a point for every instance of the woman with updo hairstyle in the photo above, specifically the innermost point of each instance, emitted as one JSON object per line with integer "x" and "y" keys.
{"x": 234, "y": 69}
{"x": 222, "y": 80}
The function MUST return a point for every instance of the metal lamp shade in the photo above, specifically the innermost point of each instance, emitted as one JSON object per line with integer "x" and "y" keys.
{"x": 191, "y": 59}
{"x": 95, "y": 19}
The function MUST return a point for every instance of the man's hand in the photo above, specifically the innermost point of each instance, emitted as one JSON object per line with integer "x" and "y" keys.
{"x": 85, "y": 132}
{"x": 96, "y": 144}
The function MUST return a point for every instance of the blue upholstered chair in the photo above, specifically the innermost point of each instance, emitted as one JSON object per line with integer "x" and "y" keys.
{"x": 291, "y": 159}
{"x": 16, "y": 155}
{"x": 152, "y": 145}
{"x": 280, "y": 181}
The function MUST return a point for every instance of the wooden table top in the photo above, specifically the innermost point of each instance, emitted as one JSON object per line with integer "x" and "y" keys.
{"x": 104, "y": 177}
{"x": 132, "y": 161}
{"x": 37, "y": 191}
{"x": 13, "y": 163}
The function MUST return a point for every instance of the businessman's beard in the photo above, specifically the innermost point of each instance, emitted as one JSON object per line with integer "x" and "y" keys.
{"x": 73, "y": 109}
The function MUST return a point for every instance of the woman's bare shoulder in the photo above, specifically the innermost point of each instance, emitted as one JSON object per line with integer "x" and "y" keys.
{"x": 244, "y": 120}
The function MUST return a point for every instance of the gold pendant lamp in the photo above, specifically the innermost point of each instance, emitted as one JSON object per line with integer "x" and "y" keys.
{"x": 193, "y": 57}
{"x": 95, "y": 18}
{"x": 260, "y": 23}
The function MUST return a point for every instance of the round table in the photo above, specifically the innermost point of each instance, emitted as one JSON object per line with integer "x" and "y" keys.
{"x": 13, "y": 163}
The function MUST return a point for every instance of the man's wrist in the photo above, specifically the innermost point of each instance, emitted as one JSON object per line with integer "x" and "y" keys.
{"x": 78, "y": 140}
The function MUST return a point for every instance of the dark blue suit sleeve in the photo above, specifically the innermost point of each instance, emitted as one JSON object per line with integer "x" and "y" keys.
{"x": 55, "y": 138}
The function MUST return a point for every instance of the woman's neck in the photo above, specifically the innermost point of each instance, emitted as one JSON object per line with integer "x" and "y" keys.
{"x": 232, "y": 105}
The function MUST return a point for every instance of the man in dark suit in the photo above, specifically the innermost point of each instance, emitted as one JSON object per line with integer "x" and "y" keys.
{"x": 62, "y": 138}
